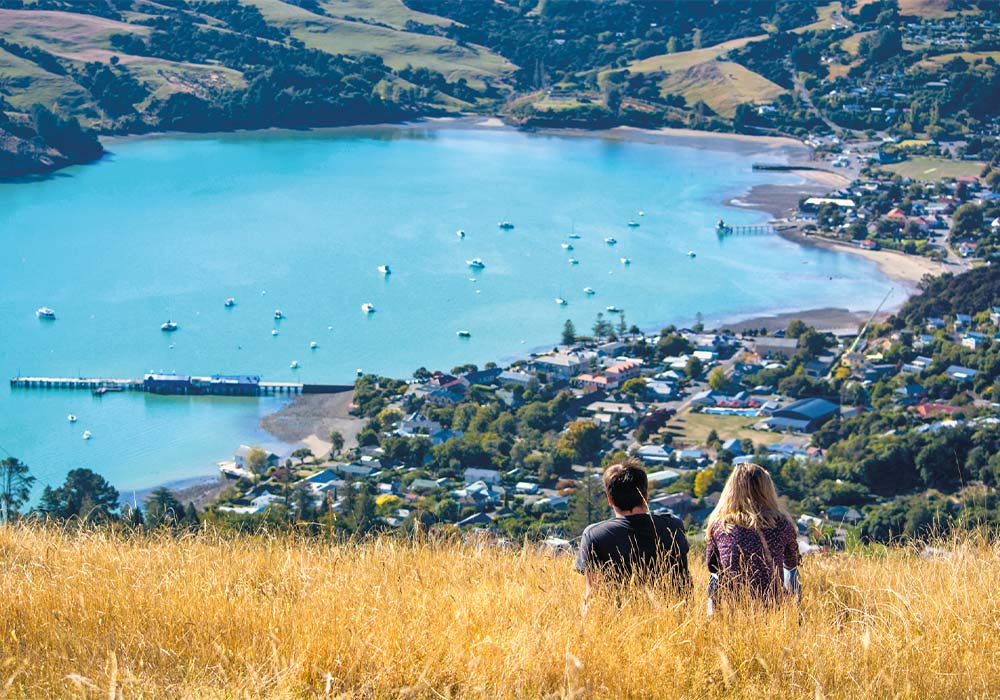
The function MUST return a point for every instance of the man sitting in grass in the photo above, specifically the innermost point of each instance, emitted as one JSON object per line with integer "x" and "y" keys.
{"x": 635, "y": 546}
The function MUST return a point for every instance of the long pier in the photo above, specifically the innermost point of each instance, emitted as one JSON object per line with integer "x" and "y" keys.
{"x": 190, "y": 386}
{"x": 759, "y": 230}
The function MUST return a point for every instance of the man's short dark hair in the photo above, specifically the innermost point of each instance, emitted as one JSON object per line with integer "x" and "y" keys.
{"x": 626, "y": 484}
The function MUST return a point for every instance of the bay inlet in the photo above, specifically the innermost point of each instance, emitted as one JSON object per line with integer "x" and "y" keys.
{"x": 168, "y": 228}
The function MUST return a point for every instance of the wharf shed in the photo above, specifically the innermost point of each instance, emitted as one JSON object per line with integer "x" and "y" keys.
{"x": 806, "y": 415}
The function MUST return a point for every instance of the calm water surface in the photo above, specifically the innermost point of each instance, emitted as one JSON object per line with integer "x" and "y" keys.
{"x": 168, "y": 228}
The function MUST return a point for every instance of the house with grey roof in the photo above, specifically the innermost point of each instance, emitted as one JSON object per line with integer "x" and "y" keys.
{"x": 804, "y": 416}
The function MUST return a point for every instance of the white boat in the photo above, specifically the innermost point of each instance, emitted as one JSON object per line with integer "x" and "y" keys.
{"x": 505, "y": 225}
{"x": 567, "y": 246}
{"x": 463, "y": 334}
{"x": 610, "y": 240}
{"x": 169, "y": 326}
{"x": 560, "y": 301}
{"x": 614, "y": 310}
{"x": 460, "y": 233}
{"x": 574, "y": 236}
{"x": 313, "y": 345}
{"x": 633, "y": 224}
{"x": 71, "y": 418}
{"x": 691, "y": 254}
{"x": 574, "y": 261}
{"x": 46, "y": 312}
{"x": 384, "y": 269}
{"x": 86, "y": 434}
{"x": 476, "y": 263}
{"x": 274, "y": 331}
{"x": 625, "y": 261}
{"x": 230, "y": 303}
{"x": 368, "y": 307}
{"x": 589, "y": 291}
{"x": 294, "y": 364}
{"x": 278, "y": 315}
{"x": 642, "y": 213}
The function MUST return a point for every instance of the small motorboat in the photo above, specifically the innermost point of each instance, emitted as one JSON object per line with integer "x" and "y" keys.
{"x": 476, "y": 263}
{"x": 642, "y": 213}
{"x": 169, "y": 327}
{"x": 460, "y": 233}
{"x": 313, "y": 345}
{"x": 610, "y": 240}
{"x": 614, "y": 310}
{"x": 274, "y": 331}
{"x": 573, "y": 261}
{"x": 46, "y": 313}
{"x": 505, "y": 225}
{"x": 567, "y": 246}
{"x": 463, "y": 334}
{"x": 633, "y": 224}
{"x": 691, "y": 254}
{"x": 368, "y": 307}
{"x": 625, "y": 261}
{"x": 560, "y": 301}
{"x": 294, "y": 364}
{"x": 589, "y": 291}
{"x": 71, "y": 418}
{"x": 86, "y": 435}
{"x": 230, "y": 303}
{"x": 278, "y": 315}
{"x": 574, "y": 236}
{"x": 384, "y": 269}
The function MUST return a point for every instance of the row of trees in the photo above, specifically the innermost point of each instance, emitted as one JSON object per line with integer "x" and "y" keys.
{"x": 87, "y": 497}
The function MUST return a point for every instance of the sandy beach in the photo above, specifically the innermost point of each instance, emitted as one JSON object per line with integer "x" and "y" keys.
{"x": 310, "y": 418}
{"x": 907, "y": 270}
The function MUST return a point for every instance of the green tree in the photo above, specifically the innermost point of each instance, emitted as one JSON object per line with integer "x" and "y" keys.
{"x": 336, "y": 442}
{"x": 568, "y": 333}
{"x": 256, "y": 460}
{"x": 83, "y": 495}
{"x": 795, "y": 328}
{"x": 967, "y": 221}
{"x": 582, "y": 439}
{"x": 717, "y": 379}
{"x": 587, "y": 505}
{"x": 635, "y": 387}
{"x": 15, "y": 487}
{"x": 191, "y": 520}
{"x": 163, "y": 509}
{"x": 693, "y": 368}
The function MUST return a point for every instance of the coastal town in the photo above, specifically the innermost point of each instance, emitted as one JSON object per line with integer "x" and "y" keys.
{"x": 515, "y": 451}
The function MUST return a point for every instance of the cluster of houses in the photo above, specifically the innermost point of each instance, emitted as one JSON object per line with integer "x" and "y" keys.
{"x": 924, "y": 219}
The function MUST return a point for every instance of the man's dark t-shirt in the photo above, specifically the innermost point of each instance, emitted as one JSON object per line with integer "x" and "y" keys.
{"x": 646, "y": 546}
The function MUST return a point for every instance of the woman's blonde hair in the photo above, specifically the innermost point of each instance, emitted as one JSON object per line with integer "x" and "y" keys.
{"x": 748, "y": 500}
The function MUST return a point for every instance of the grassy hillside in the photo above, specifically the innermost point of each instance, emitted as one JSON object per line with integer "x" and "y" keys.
{"x": 398, "y": 48}
{"x": 97, "y": 615}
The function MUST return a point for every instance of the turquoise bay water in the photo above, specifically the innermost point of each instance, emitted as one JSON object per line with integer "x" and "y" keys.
{"x": 171, "y": 227}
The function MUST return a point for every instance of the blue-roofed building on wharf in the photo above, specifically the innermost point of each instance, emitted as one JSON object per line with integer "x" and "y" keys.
{"x": 167, "y": 383}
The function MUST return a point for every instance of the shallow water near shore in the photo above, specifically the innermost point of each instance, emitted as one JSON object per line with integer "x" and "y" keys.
{"x": 169, "y": 227}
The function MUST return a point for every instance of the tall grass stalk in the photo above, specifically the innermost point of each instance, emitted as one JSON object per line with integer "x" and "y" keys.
{"x": 98, "y": 614}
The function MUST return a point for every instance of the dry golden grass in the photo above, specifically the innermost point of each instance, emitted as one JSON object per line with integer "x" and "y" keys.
{"x": 100, "y": 615}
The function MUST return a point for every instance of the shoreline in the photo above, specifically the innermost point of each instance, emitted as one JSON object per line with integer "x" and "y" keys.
{"x": 309, "y": 419}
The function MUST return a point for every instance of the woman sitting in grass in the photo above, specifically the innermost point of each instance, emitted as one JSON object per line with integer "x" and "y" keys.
{"x": 751, "y": 545}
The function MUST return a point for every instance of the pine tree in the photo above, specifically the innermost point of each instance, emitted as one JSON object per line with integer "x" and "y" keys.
{"x": 191, "y": 519}
{"x": 15, "y": 487}
{"x": 569, "y": 333}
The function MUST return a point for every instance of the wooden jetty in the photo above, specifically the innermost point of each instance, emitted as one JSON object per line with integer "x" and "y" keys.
{"x": 723, "y": 229}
